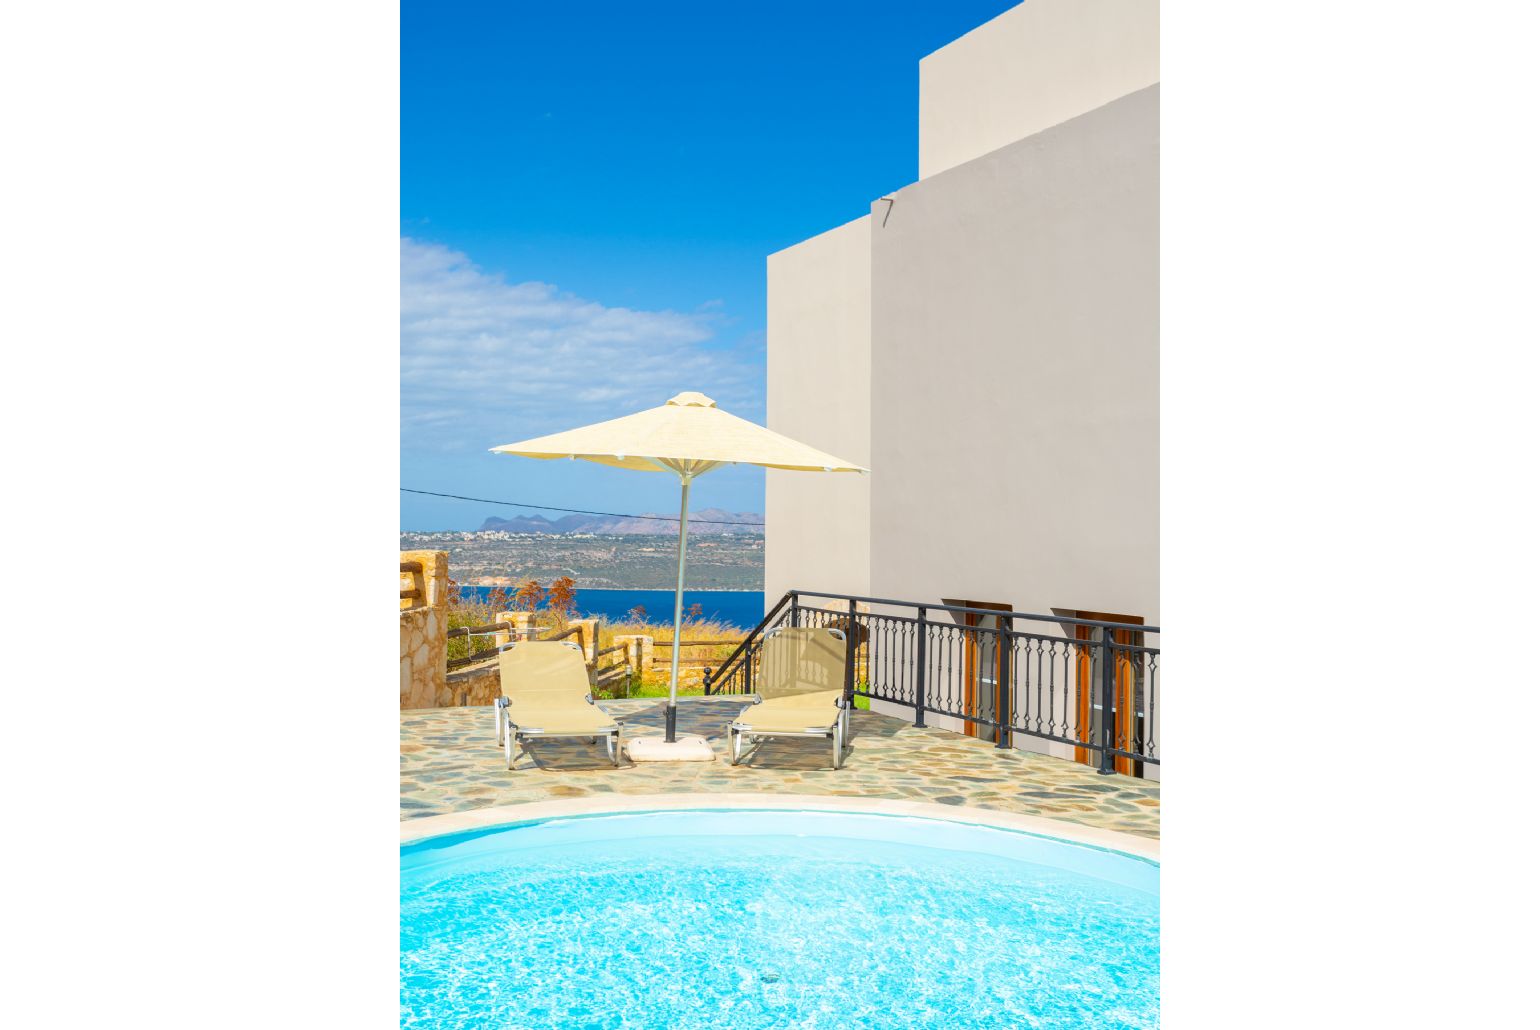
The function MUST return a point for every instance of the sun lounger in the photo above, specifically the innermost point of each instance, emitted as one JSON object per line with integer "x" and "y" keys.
{"x": 546, "y": 693}
{"x": 801, "y": 690}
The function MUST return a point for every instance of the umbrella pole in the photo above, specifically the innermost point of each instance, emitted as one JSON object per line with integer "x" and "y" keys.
{"x": 673, "y": 671}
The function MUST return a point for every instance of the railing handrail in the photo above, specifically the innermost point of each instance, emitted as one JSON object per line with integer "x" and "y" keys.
{"x": 756, "y": 631}
{"x": 1063, "y": 619}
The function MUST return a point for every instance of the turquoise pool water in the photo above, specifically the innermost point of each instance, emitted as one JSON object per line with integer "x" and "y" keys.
{"x": 750, "y": 919}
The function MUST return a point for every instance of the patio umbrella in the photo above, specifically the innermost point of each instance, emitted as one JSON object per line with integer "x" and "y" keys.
{"x": 689, "y": 436}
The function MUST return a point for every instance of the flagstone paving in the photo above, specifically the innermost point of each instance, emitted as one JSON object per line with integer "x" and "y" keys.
{"x": 450, "y": 762}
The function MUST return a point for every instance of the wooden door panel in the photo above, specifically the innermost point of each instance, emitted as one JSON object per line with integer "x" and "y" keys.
{"x": 1088, "y": 686}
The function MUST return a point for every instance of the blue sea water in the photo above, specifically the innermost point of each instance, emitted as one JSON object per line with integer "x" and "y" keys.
{"x": 742, "y": 920}
{"x": 742, "y": 608}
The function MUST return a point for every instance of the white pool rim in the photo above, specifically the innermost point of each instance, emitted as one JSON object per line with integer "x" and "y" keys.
{"x": 414, "y": 830}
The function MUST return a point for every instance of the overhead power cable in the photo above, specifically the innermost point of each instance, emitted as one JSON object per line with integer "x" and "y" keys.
{"x": 579, "y": 511}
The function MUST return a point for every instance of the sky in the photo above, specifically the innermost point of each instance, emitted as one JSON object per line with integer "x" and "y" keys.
{"x": 588, "y": 195}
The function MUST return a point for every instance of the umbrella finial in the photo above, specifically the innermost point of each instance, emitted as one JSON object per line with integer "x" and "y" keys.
{"x": 691, "y": 399}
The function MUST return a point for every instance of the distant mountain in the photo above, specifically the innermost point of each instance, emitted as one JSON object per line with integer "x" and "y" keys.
{"x": 740, "y": 522}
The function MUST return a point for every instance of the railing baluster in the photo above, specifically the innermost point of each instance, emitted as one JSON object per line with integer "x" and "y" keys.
{"x": 850, "y": 657}
{"x": 1109, "y": 724}
{"x": 919, "y": 672}
{"x": 950, "y": 701}
{"x": 907, "y": 651}
{"x": 894, "y": 685}
{"x": 1003, "y": 684}
{"x": 888, "y": 675}
{"x": 1053, "y": 686}
{"x": 1039, "y": 714}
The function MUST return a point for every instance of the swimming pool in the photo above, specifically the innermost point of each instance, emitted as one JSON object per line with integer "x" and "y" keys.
{"x": 746, "y": 919}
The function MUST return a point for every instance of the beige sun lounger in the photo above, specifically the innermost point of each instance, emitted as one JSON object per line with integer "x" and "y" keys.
{"x": 546, "y": 693}
{"x": 801, "y": 691}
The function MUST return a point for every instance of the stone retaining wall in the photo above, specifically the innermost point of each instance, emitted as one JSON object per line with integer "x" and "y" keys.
{"x": 478, "y": 686}
{"x": 424, "y": 623}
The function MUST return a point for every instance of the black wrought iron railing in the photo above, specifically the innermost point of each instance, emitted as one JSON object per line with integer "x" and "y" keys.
{"x": 1088, "y": 685}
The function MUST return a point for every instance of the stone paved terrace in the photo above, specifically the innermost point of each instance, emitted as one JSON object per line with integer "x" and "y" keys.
{"x": 450, "y": 762}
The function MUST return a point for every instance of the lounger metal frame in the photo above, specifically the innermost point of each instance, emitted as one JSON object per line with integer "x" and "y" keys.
{"x": 513, "y": 739}
{"x": 838, "y": 734}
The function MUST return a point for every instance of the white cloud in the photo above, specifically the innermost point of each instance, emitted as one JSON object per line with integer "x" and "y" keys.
{"x": 485, "y": 362}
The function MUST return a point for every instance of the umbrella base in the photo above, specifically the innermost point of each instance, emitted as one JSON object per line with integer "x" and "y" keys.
{"x": 656, "y": 749}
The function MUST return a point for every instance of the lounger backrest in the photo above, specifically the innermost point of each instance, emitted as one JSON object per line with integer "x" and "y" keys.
{"x": 800, "y": 660}
{"x": 546, "y": 669}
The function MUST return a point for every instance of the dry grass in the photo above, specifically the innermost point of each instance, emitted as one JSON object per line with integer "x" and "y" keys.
{"x": 692, "y": 660}
{"x": 692, "y": 629}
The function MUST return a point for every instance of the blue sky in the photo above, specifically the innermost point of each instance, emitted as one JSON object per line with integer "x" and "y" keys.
{"x": 588, "y": 195}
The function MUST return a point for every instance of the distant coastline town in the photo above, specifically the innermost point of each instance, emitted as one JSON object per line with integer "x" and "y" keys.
{"x": 726, "y": 551}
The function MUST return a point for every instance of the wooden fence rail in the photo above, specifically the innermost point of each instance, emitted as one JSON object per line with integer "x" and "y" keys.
{"x": 479, "y": 631}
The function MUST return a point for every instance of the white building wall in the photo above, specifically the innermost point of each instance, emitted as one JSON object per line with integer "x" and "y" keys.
{"x": 989, "y": 345}
{"x": 1015, "y": 415}
{"x": 818, "y": 328}
{"x": 1036, "y": 65}
{"x": 1015, "y": 376}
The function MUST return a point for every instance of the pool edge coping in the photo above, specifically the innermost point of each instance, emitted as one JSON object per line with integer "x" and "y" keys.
{"x": 427, "y": 827}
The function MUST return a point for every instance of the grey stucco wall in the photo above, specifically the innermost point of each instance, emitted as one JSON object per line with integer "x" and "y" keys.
{"x": 989, "y": 347}
{"x": 1015, "y": 415}
{"x": 818, "y": 390}
{"x": 1015, "y": 378}
{"x": 1036, "y": 65}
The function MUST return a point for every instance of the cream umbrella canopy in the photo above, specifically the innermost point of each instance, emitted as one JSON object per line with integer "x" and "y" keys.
{"x": 689, "y": 436}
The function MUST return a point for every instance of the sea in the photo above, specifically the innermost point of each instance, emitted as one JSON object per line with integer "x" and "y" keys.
{"x": 742, "y": 608}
